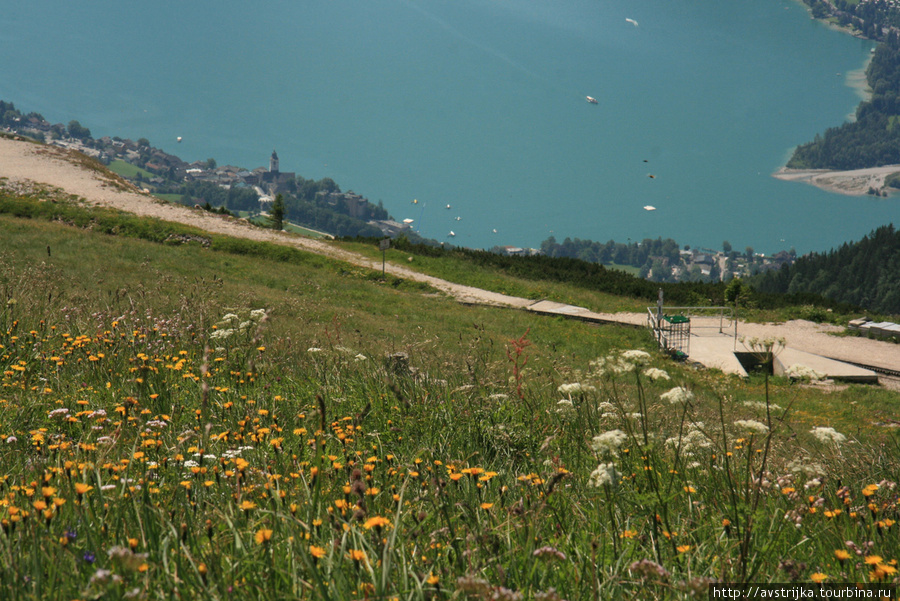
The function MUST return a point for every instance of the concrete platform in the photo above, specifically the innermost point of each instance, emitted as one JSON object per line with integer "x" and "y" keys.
{"x": 713, "y": 344}
{"x": 834, "y": 370}
{"x": 545, "y": 307}
{"x": 716, "y": 351}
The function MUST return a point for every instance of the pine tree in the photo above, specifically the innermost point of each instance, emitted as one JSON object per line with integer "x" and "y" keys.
{"x": 276, "y": 214}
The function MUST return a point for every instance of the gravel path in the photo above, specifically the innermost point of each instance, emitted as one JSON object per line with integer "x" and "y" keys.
{"x": 22, "y": 165}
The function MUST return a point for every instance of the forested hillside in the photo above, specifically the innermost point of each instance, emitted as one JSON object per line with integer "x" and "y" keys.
{"x": 864, "y": 273}
{"x": 874, "y": 138}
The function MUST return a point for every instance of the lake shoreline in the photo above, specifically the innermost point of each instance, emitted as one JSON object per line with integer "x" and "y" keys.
{"x": 855, "y": 182}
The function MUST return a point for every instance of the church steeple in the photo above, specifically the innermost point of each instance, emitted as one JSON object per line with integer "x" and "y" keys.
{"x": 273, "y": 162}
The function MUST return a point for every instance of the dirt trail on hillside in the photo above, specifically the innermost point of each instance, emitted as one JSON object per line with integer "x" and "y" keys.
{"x": 22, "y": 165}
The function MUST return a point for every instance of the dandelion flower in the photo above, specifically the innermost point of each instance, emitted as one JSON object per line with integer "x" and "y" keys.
{"x": 819, "y": 577}
{"x": 263, "y": 535}
{"x": 377, "y": 522}
{"x": 873, "y": 559}
{"x": 317, "y": 552}
{"x": 841, "y": 555}
{"x": 357, "y": 555}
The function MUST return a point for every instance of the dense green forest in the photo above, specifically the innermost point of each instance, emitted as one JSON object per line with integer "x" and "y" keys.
{"x": 873, "y": 139}
{"x": 636, "y": 254}
{"x": 591, "y": 276}
{"x": 864, "y": 273}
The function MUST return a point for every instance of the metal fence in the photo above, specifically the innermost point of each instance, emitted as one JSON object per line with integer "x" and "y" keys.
{"x": 673, "y": 326}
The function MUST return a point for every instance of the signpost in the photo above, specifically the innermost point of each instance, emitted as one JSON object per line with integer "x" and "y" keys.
{"x": 383, "y": 245}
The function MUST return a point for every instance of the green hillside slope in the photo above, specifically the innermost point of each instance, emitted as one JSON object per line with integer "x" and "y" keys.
{"x": 190, "y": 416}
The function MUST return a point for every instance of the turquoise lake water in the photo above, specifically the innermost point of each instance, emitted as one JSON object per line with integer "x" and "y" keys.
{"x": 476, "y": 104}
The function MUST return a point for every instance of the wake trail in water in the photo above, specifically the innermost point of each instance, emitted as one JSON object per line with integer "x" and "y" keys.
{"x": 489, "y": 50}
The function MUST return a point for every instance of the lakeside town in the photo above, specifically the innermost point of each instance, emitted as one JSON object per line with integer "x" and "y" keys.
{"x": 156, "y": 171}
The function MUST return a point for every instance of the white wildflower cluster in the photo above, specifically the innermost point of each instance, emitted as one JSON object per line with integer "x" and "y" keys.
{"x": 677, "y": 396}
{"x": 607, "y": 410}
{"x": 752, "y": 426}
{"x": 126, "y": 558}
{"x": 575, "y": 388}
{"x": 232, "y": 323}
{"x": 691, "y": 440}
{"x": 232, "y": 453}
{"x": 609, "y": 442}
{"x": 604, "y": 475}
{"x": 623, "y": 362}
{"x": 807, "y": 467}
{"x": 313, "y": 349}
{"x": 828, "y": 435}
{"x": 102, "y": 576}
{"x": 760, "y": 406}
{"x": 654, "y": 373}
{"x": 221, "y": 334}
{"x": 61, "y": 412}
{"x": 636, "y": 357}
{"x": 565, "y": 408}
{"x": 802, "y": 372}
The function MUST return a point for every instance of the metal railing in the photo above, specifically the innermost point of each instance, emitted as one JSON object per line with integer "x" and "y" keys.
{"x": 718, "y": 319}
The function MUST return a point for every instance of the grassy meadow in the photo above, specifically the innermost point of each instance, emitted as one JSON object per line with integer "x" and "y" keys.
{"x": 128, "y": 170}
{"x": 184, "y": 416}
